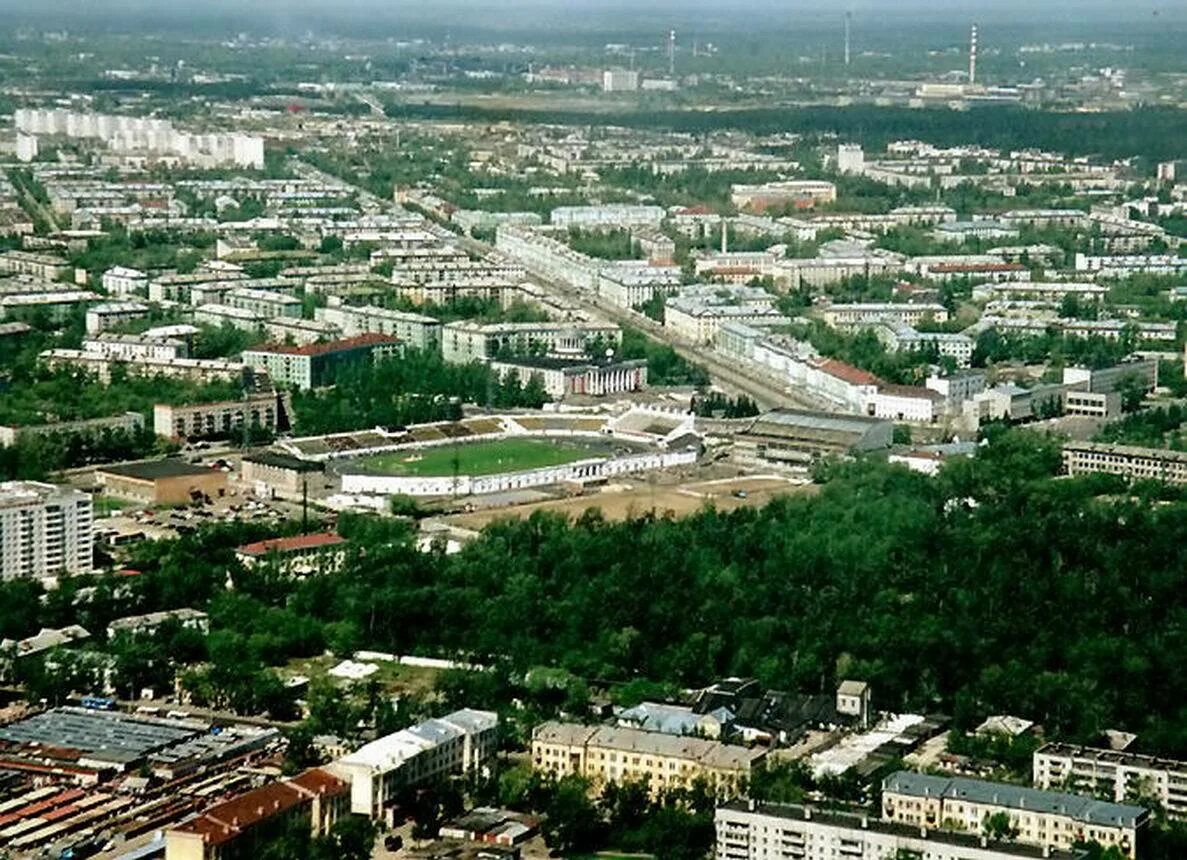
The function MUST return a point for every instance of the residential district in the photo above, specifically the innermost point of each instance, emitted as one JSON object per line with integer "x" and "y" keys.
{"x": 302, "y": 385}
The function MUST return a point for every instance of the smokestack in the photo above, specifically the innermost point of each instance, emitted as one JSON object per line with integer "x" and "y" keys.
{"x": 973, "y": 55}
{"x": 671, "y": 53}
{"x": 725, "y": 226}
{"x": 848, "y": 22}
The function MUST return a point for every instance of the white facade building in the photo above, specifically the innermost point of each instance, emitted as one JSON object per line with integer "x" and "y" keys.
{"x": 45, "y": 531}
{"x": 452, "y": 745}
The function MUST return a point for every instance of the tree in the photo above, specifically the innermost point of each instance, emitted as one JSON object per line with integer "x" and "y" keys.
{"x": 999, "y": 827}
{"x": 571, "y": 823}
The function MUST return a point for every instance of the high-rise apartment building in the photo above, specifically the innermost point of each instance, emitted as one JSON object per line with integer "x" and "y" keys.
{"x": 45, "y": 530}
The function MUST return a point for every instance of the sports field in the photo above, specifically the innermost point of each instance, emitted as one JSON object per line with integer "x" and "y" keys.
{"x": 477, "y": 458}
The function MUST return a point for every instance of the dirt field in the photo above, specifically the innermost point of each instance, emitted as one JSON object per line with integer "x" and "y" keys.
{"x": 623, "y": 501}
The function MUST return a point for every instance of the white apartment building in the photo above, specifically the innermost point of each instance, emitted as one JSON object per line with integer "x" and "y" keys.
{"x": 608, "y": 216}
{"x": 620, "y": 81}
{"x": 857, "y": 315}
{"x": 300, "y": 331}
{"x": 465, "y": 341}
{"x": 44, "y": 266}
{"x": 1112, "y": 773}
{"x": 904, "y": 338}
{"x": 198, "y": 369}
{"x": 129, "y": 347}
{"x": 905, "y": 403}
{"x": 416, "y": 330}
{"x": 265, "y": 303}
{"x": 45, "y": 531}
{"x": 220, "y": 419}
{"x": 461, "y": 742}
{"x": 1047, "y": 819}
{"x": 747, "y": 830}
{"x": 698, "y": 321}
{"x": 124, "y": 282}
{"x": 219, "y": 315}
{"x": 1129, "y": 461}
{"x": 109, "y": 314}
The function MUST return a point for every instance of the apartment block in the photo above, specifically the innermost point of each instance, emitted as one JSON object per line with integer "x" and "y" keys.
{"x": 464, "y": 341}
{"x": 198, "y": 369}
{"x": 44, "y": 266}
{"x": 416, "y": 330}
{"x": 1048, "y": 819}
{"x": 124, "y": 282}
{"x": 1129, "y": 461}
{"x": 317, "y": 364}
{"x": 455, "y": 744}
{"x": 767, "y": 831}
{"x": 221, "y": 419}
{"x": 615, "y": 754}
{"x": 242, "y": 826}
{"x": 45, "y": 531}
{"x": 1109, "y": 773}
{"x": 846, "y": 316}
{"x": 109, "y": 314}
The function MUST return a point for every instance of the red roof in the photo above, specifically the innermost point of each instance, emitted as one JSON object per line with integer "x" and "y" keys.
{"x": 848, "y": 373}
{"x": 226, "y": 821}
{"x": 323, "y": 348}
{"x": 291, "y": 544}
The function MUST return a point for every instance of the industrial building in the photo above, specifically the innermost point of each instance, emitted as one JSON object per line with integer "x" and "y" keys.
{"x": 797, "y": 438}
{"x": 161, "y": 482}
{"x": 45, "y": 531}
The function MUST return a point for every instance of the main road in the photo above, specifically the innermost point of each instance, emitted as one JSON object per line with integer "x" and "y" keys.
{"x": 728, "y": 376}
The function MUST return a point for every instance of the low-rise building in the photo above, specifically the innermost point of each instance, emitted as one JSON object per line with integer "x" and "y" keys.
{"x": 605, "y": 754}
{"x": 747, "y": 830}
{"x": 242, "y": 826}
{"x": 138, "y": 625}
{"x": 458, "y": 743}
{"x": 318, "y": 364}
{"x": 857, "y": 315}
{"x": 270, "y": 473}
{"x": 561, "y": 379}
{"x": 161, "y": 482}
{"x": 44, "y": 266}
{"x": 109, "y": 314}
{"x": 1112, "y": 773}
{"x": 263, "y": 410}
{"x": 464, "y": 341}
{"x": 1040, "y": 818}
{"x": 125, "y": 282}
{"x": 1129, "y": 461}
{"x": 796, "y": 193}
{"x": 299, "y": 555}
{"x": 416, "y": 330}
{"x": 797, "y": 438}
{"x": 197, "y": 369}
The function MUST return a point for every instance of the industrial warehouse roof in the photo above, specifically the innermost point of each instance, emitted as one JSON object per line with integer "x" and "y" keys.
{"x": 153, "y": 470}
{"x": 1078, "y": 807}
{"x": 102, "y": 735}
{"x": 825, "y": 421}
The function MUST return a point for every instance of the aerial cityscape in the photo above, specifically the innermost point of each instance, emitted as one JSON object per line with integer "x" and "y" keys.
{"x": 526, "y": 429}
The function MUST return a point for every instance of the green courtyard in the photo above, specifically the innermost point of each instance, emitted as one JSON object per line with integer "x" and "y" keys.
{"x": 478, "y": 458}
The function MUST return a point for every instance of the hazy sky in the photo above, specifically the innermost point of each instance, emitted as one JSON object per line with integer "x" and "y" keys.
{"x": 586, "y": 15}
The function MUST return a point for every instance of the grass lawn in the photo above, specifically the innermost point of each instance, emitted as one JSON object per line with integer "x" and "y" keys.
{"x": 478, "y": 458}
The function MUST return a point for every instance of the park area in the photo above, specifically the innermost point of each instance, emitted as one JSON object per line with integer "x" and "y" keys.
{"x": 478, "y": 458}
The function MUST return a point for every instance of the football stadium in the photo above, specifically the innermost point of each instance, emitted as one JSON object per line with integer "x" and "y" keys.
{"x": 495, "y": 453}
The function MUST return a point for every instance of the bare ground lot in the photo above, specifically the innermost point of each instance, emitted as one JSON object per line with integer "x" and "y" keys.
{"x": 622, "y": 501}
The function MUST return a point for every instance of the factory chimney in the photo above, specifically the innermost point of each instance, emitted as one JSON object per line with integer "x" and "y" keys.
{"x": 973, "y": 55}
{"x": 848, "y": 22}
{"x": 671, "y": 53}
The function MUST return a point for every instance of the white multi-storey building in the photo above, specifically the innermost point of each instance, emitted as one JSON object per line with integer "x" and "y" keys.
{"x": 124, "y": 282}
{"x": 45, "y": 531}
{"x": 766, "y": 831}
{"x": 458, "y": 743}
{"x": 1116, "y": 774}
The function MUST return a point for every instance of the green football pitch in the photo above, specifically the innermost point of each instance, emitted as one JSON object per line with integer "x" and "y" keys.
{"x": 477, "y": 458}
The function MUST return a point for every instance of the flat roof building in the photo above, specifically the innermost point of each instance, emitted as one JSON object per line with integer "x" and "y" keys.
{"x": 318, "y": 364}
{"x": 162, "y": 482}
{"x": 45, "y": 531}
